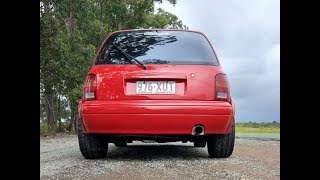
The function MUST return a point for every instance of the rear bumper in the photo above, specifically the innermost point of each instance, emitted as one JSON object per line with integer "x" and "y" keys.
{"x": 156, "y": 117}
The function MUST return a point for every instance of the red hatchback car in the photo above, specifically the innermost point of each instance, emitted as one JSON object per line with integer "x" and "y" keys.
{"x": 156, "y": 85}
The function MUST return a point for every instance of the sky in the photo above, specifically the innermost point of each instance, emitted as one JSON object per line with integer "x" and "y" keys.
{"x": 246, "y": 37}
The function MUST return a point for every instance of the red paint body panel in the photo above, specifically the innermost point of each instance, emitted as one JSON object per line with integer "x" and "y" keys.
{"x": 119, "y": 110}
{"x": 155, "y": 116}
{"x": 117, "y": 81}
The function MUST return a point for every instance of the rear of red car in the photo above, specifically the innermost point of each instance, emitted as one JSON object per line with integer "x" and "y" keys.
{"x": 156, "y": 85}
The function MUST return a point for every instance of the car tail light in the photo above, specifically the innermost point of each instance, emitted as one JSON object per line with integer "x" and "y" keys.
{"x": 222, "y": 92}
{"x": 90, "y": 87}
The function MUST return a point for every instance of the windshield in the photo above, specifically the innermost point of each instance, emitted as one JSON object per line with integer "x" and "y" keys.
{"x": 158, "y": 47}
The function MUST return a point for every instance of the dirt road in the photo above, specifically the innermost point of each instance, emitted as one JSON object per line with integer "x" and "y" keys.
{"x": 60, "y": 158}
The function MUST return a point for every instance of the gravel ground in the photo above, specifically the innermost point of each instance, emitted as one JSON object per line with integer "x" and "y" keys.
{"x": 60, "y": 158}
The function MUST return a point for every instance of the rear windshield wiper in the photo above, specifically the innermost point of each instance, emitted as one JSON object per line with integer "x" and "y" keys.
{"x": 129, "y": 57}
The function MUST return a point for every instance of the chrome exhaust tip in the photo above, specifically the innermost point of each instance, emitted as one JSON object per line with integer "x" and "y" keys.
{"x": 197, "y": 130}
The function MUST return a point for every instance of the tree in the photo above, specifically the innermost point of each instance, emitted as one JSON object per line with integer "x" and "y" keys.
{"x": 70, "y": 33}
{"x": 50, "y": 66}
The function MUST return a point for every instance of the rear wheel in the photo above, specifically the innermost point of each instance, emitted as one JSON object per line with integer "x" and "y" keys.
{"x": 221, "y": 146}
{"x": 200, "y": 144}
{"x": 92, "y": 146}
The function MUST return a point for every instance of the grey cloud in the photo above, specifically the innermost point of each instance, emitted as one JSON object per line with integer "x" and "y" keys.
{"x": 246, "y": 37}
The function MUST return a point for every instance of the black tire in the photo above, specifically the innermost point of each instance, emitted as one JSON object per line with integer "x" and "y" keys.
{"x": 92, "y": 146}
{"x": 200, "y": 144}
{"x": 120, "y": 144}
{"x": 221, "y": 146}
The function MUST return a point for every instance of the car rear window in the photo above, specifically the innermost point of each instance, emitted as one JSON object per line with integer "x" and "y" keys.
{"x": 158, "y": 47}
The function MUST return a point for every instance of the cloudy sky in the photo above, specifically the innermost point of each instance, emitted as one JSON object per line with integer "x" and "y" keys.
{"x": 246, "y": 37}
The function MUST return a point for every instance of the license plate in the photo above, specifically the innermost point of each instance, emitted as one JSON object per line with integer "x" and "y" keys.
{"x": 155, "y": 87}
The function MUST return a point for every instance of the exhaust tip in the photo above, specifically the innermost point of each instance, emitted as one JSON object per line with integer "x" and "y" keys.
{"x": 198, "y": 130}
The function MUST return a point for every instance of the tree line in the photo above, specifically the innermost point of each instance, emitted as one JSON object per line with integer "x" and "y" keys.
{"x": 70, "y": 33}
{"x": 273, "y": 124}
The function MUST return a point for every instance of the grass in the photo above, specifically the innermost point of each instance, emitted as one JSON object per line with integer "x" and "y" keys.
{"x": 273, "y": 130}
{"x": 45, "y": 129}
{"x": 258, "y": 127}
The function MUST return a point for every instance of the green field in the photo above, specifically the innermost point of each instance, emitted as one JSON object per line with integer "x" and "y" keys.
{"x": 253, "y": 127}
{"x": 257, "y": 130}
